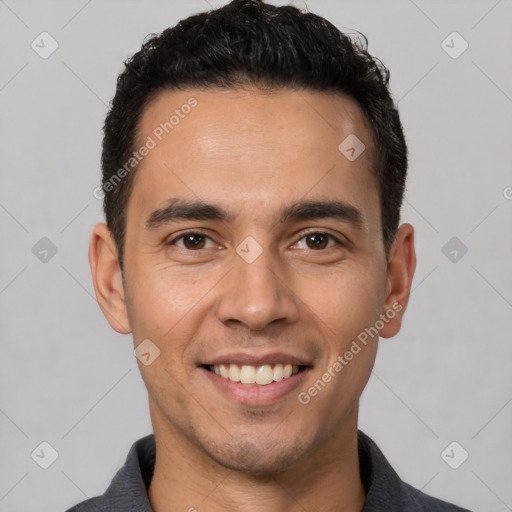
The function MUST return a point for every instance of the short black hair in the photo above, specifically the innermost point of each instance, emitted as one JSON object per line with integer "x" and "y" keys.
{"x": 251, "y": 43}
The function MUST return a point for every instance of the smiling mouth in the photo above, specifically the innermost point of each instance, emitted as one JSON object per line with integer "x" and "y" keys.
{"x": 261, "y": 375}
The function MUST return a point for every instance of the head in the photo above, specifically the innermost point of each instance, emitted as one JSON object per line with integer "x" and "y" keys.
{"x": 253, "y": 168}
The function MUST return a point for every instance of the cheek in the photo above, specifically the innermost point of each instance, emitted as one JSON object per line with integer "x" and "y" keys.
{"x": 348, "y": 305}
{"x": 343, "y": 303}
{"x": 161, "y": 303}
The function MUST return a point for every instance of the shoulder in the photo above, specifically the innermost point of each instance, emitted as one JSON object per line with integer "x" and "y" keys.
{"x": 418, "y": 501}
{"x": 385, "y": 490}
{"x": 128, "y": 489}
{"x": 90, "y": 505}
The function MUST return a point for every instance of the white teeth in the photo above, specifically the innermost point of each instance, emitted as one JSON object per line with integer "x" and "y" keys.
{"x": 224, "y": 371}
{"x": 278, "y": 372}
{"x": 234, "y": 373}
{"x": 248, "y": 374}
{"x": 262, "y": 375}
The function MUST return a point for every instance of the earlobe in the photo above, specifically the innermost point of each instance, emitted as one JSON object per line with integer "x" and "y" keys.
{"x": 107, "y": 278}
{"x": 401, "y": 267}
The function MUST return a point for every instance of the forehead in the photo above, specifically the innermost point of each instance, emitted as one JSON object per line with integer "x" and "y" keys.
{"x": 246, "y": 147}
{"x": 294, "y": 116}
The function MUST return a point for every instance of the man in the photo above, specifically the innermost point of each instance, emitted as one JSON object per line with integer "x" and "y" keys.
{"x": 253, "y": 171}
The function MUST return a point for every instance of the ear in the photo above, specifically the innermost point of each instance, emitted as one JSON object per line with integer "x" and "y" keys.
{"x": 107, "y": 278}
{"x": 401, "y": 266}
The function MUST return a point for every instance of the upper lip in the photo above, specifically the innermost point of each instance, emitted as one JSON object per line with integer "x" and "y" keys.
{"x": 241, "y": 358}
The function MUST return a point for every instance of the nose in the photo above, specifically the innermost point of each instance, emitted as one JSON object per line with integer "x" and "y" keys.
{"x": 256, "y": 294}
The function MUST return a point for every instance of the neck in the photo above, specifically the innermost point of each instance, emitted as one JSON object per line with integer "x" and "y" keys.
{"x": 187, "y": 479}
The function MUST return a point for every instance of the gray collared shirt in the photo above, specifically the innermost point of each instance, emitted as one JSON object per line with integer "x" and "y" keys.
{"x": 385, "y": 491}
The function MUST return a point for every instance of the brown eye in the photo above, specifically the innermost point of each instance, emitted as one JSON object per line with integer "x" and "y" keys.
{"x": 192, "y": 241}
{"x": 317, "y": 240}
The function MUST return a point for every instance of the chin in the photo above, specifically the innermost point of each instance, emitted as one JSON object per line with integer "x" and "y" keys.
{"x": 259, "y": 456}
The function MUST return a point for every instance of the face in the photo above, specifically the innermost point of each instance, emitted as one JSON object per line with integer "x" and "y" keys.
{"x": 254, "y": 243}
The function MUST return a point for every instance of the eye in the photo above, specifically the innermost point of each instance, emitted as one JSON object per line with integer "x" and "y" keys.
{"x": 192, "y": 241}
{"x": 318, "y": 241}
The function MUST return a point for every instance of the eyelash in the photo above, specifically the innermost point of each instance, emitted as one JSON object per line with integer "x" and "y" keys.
{"x": 302, "y": 235}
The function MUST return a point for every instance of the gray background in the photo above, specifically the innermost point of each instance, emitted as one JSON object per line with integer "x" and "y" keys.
{"x": 68, "y": 379}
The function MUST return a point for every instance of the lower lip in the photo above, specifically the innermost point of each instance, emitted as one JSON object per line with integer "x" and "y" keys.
{"x": 256, "y": 394}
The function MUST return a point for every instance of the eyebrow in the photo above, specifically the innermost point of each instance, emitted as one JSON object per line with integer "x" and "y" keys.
{"x": 183, "y": 209}
{"x": 339, "y": 210}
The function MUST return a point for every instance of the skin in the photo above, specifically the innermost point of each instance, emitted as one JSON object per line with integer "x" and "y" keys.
{"x": 254, "y": 153}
